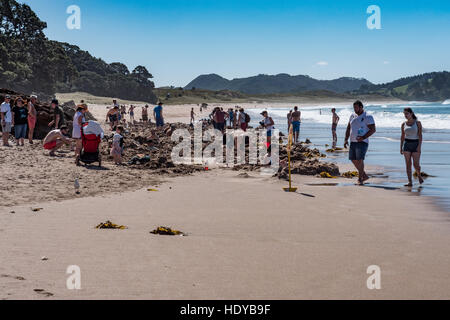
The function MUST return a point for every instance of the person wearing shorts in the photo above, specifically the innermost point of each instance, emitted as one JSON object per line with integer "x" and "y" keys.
{"x": 268, "y": 123}
{"x": 360, "y": 127}
{"x": 145, "y": 114}
{"x": 158, "y": 115}
{"x": 78, "y": 120}
{"x": 55, "y": 139}
{"x": 295, "y": 121}
{"x": 411, "y": 145}
{"x": 20, "y": 121}
{"x": 243, "y": 124}
{"x": 6, "y": 120}
{"x": 113, "y": 117}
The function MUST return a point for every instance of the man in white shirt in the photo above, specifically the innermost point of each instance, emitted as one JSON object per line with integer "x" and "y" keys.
{"x": 6, "y": 120}
{"x": 360, "y": 127}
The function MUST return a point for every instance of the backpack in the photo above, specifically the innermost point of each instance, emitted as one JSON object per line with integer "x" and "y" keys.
{"x": 247, "y": 118}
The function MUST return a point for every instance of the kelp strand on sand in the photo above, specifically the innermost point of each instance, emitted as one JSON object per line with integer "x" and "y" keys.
{"x": 109, "y": 225}
{"x": 166, "y": 231}
{"x": 350, "y": 174}
{"x": 326, "y": 175}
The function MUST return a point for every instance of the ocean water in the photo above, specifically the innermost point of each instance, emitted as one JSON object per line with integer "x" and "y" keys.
{"x": 384, "y": 147}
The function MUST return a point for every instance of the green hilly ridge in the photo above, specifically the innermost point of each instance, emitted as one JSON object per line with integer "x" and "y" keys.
{"x": 434, "y": 86}
{"x": 272, "y": 84}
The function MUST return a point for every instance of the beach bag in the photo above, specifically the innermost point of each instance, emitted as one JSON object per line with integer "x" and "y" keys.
{"x": 247, "y": 118}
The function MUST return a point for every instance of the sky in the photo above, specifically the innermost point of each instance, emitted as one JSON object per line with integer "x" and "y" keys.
{"x": 178, "y": 40}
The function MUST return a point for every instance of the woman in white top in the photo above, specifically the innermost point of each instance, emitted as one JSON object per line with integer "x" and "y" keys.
{"x": 78, "y": 120}
{"x": 268, "y": 123}
{"x": 411, "y": 144}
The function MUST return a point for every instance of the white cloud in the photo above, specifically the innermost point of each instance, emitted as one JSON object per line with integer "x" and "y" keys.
{"x": 322, "y": 63}
{"x": 386, "y": 62}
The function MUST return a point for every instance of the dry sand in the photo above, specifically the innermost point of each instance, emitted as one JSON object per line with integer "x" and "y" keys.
{"x": 247, "y": 238}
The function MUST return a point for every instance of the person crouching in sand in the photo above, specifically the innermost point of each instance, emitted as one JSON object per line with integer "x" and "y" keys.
{"x": 360, "y": 127}
{"x": 411, "y": 144}
{"x": 55, "y": 139}
{"x": 117, "y": 146}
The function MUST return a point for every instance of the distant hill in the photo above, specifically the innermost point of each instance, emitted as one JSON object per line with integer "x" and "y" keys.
{"x": 434, "y": 86}
{"x": 272, "y": 84}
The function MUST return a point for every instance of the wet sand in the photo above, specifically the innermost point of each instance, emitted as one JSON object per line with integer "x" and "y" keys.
{"x": 247, "y": 239}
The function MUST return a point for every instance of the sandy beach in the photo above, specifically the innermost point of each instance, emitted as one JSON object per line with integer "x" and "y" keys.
{"x": 247, "y": 239}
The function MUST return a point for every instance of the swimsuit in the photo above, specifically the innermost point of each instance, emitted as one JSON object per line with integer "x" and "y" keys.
{"x": 113, "y": 117}
{"x": 296, "y": 126}
{"x": 50, "y": 145}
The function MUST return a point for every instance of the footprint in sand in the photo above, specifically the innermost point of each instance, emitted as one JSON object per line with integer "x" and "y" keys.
{"x": 43, "y": 292}
{"x": 14, "y": 277}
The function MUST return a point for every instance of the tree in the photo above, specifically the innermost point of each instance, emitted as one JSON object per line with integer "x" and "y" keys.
{"x": 142, "y": 75}
{"x": 120, "y": 68}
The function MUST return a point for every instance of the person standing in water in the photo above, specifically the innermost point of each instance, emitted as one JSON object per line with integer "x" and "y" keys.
{"x": 335, "y": 122}
{"x": 360, "y": 127}
{"x": 411, "y": 144}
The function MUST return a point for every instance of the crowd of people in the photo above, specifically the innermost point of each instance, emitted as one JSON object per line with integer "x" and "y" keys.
{"x": 117, "y": 115}
{"x": 22, "y": 116}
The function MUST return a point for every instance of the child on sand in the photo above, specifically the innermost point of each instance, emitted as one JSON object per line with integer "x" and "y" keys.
{"x": 117, "y": 146}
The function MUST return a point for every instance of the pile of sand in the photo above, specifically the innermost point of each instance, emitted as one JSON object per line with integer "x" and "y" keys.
{"x": 146, "y": 147}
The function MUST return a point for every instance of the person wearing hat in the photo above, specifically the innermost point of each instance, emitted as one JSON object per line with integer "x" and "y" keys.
{"x": 20, "y": 121}
{"x": 6, "y": 120}
{"x": 269, "y": 125}
{"x": 58, "y": 115}
{"x": 158, "y": 115}
{"x": 78, "y": 120}
{"x": 32, "y": 117}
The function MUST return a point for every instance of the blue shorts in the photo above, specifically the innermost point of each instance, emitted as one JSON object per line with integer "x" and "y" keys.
{"x": 296, "y": 126}
{"x": 358, "y": 150}
{"x": 20, "y": 131}
{"x": 269, "y": 133}
{"x": 159, "y": 122}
